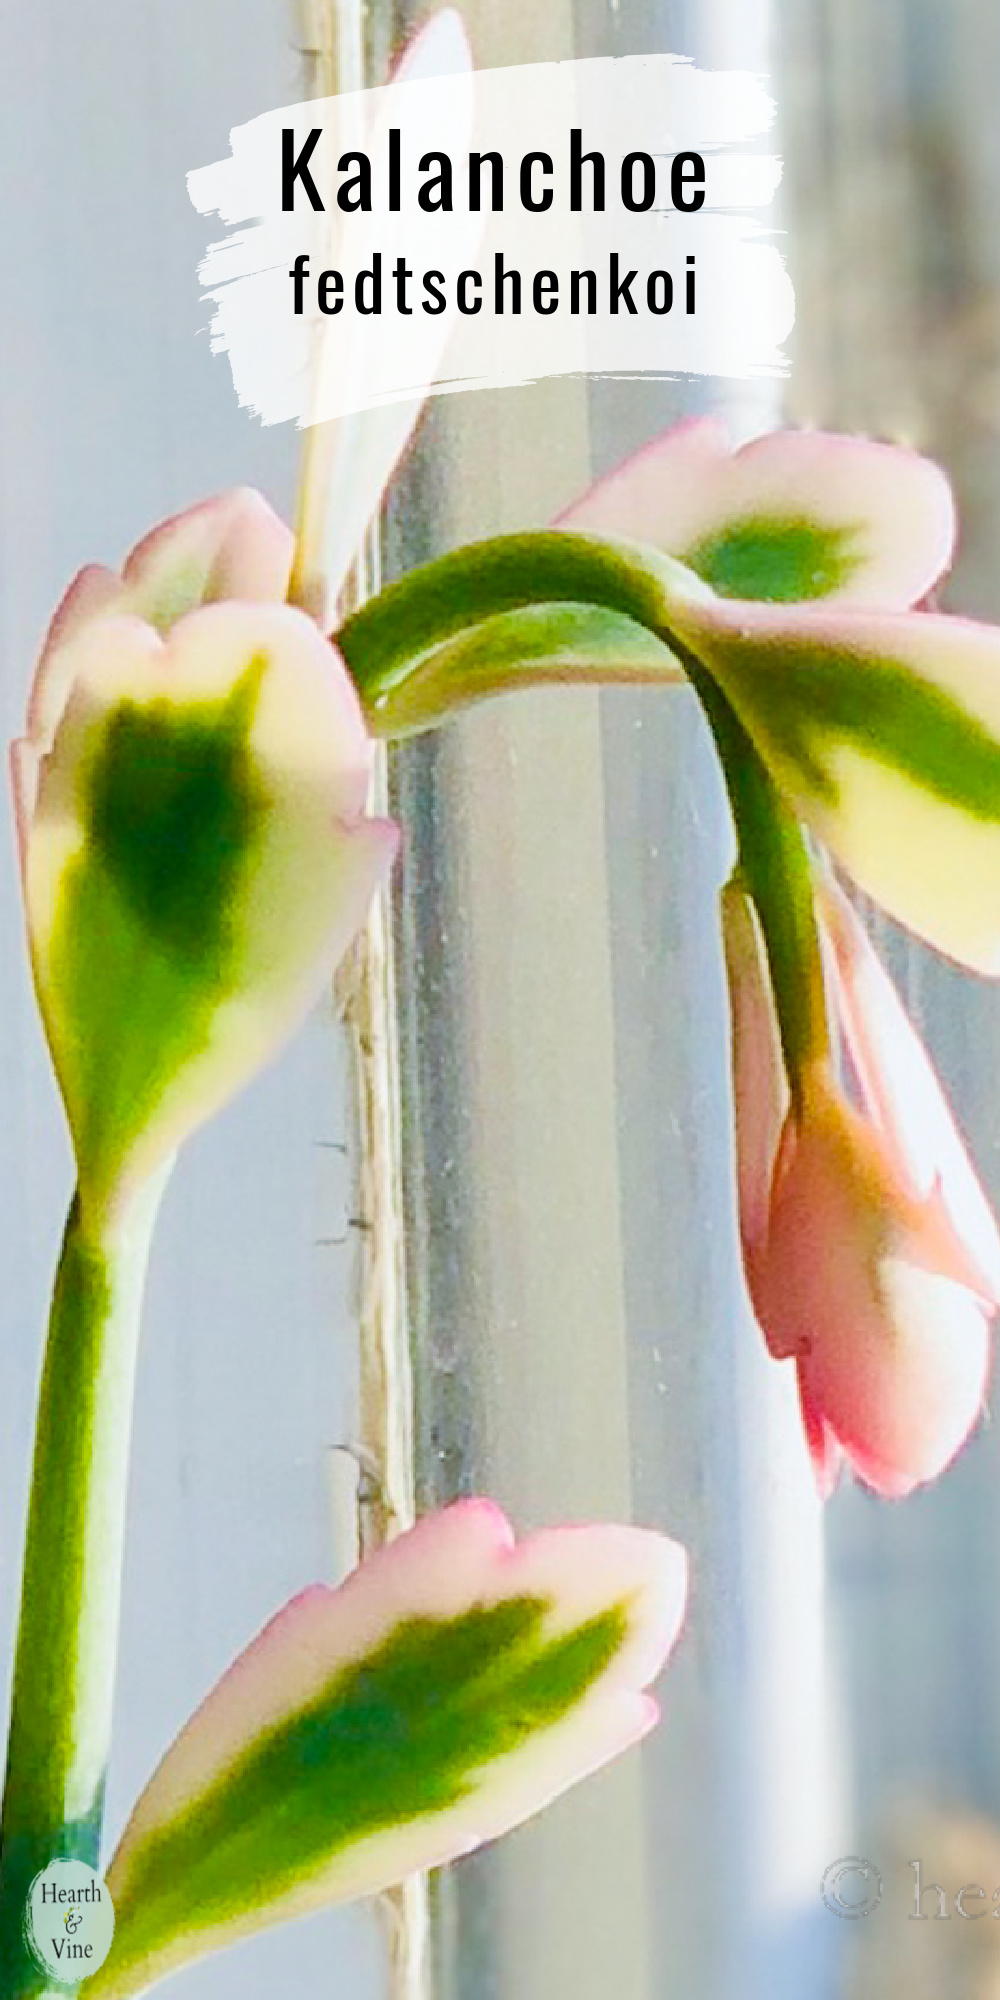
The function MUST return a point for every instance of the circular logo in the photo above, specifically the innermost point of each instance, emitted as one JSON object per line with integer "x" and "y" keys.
{"x": 851, "y": 1887}
{"x": 69, "y": 1922}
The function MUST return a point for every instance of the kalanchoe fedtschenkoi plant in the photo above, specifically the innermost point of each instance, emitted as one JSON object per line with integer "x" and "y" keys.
{"x": 786, "y": 580}
{"x": 451, "y": 1687}
{"x": 196, "y": 854}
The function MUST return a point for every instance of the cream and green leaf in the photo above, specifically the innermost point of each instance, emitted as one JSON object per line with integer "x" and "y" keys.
{"x": 791, "y": 516}
{"x": 451, "y": 1687}
{"x": 195, "y": 860}
{"x": 532, "y": 646}
{"x": 147, "y": 940}
{"x": 883, "y": 732}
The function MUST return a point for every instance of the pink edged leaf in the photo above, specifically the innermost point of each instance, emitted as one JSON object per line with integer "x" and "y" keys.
{"x": 854, "y": 1282}
{"x": 883, "y": 730}
{"x": 195, "y": 861}
{"x": 904, "y": 1098}
{"x": 450, "y": 1688}
{"x": 760, "y": 1089}
{"x": 792, "y": 516}
{"x": 232, "y": 546}
{"x": 903, "y": 1395}
{"x": 824, "y": 1451}
{"x": 92, "y": 593}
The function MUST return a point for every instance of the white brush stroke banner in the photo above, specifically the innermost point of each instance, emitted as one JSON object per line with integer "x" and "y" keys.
{"x": 312, "y": 367}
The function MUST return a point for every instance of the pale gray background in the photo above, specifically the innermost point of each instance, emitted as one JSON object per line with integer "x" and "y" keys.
{"x": 114, "y": 413}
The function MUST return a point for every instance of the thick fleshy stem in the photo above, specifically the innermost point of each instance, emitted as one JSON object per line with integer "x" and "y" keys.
{"x": 777, "y": 872}
{"x": 394, "y": 638}
{"x": 68, "y": 1630}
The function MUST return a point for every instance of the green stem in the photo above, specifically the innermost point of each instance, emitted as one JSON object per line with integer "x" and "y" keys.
{"x": 386, "y": 644}
{"x": 67, "y": 1636}
{"x": 776, "y": 869}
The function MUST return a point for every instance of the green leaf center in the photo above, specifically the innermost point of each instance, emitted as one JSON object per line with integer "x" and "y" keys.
{"x": 147, "y": 940}
{"x": 776, "y": 559}
{"x": 174, "y": 804}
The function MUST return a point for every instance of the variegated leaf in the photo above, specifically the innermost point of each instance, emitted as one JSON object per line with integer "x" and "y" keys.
{"x": 451, "y": 1687}
{"x": 195, "y": 861}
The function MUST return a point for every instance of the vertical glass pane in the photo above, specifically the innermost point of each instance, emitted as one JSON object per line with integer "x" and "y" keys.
{"x": 582, "y": 1339}
{"x": 582, "y": 1344}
